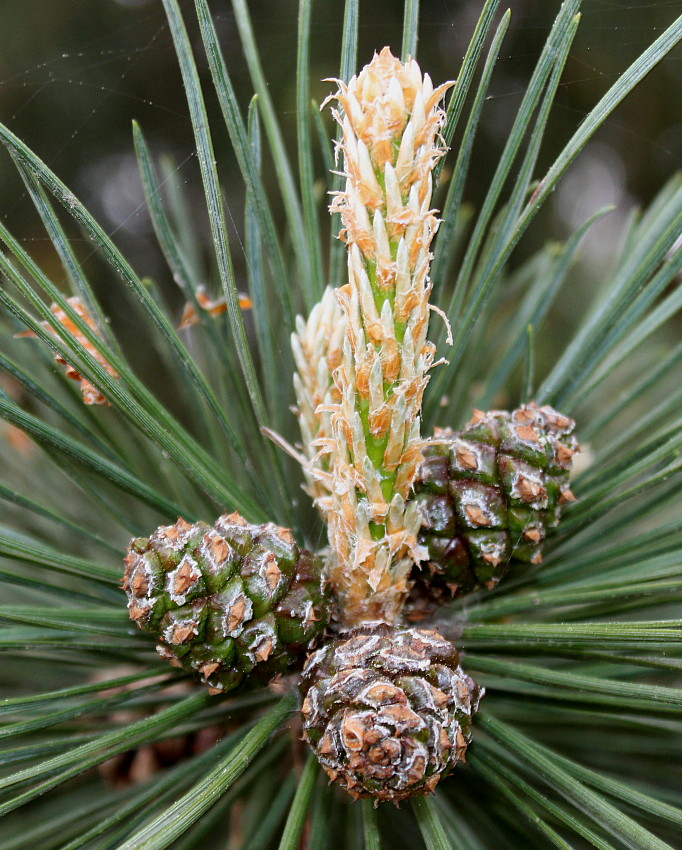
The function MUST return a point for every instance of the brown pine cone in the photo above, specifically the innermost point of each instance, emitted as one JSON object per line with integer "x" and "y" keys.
{"x": 388, "y": 710}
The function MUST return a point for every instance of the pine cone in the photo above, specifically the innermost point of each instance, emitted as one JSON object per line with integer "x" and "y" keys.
{"x": 487, "y": 494}
{"x": 388, "y": 711}
{"x": 227, "y": 602}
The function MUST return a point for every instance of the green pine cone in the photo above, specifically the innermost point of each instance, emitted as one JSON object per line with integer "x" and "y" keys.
{"x": 488, "y": 494}
{"x": 388, "y": 711}
{"x": 227, "y": 602}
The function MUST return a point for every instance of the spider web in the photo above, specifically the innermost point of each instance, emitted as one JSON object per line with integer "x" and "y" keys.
{"x": 72, "y": 97}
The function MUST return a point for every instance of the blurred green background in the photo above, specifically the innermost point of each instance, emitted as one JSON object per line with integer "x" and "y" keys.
{"x": 74, "y": 73}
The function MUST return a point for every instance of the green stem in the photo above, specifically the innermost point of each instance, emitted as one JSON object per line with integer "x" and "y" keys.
{"x": 376, "y": 447}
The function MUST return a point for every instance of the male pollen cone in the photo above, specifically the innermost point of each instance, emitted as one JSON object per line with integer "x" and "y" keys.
{"x": 390, "y": 118}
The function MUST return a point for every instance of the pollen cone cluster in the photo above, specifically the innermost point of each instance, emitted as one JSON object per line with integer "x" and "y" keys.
{"x": 388, "y": 711}
{"x": 488, "y": 494}
{"x": 227, "y": 601}
{"x": 390, "y": 119}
